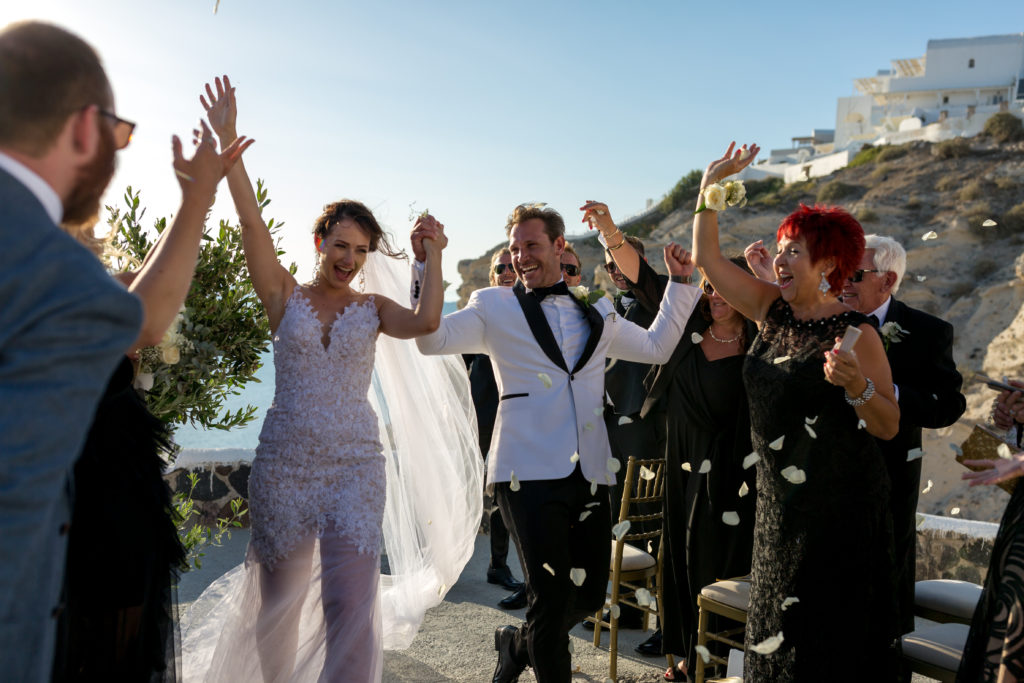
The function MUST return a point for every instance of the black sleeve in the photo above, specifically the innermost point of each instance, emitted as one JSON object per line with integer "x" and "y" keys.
{"x": 649, "y": 288}
{"x": 932, "y": 399}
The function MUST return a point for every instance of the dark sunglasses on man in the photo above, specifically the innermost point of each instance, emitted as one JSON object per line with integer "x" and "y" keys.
{"x": 858, "y": 275}
{"x": 500, "y": 268}
{"x": 570, "y": 269}
{"x": 611, "y": 267}
{"x": 123, "y": 129}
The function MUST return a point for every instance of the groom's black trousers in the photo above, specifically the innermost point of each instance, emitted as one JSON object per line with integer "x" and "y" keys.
{"x": 544, "y": 518}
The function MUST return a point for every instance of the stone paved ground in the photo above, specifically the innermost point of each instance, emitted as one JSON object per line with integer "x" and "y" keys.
{"x": 456, "y": 642}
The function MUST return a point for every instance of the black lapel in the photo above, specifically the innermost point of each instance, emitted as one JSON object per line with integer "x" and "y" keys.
{"x": 596, "y": 323}
{"x": 539, "y": 325}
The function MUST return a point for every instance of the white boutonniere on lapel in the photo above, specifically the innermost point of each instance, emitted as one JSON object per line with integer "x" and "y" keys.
{"x": 586, "y": 297}
{"x": 892, "y": 333}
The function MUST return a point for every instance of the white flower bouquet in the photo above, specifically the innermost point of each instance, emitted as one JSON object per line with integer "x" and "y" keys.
{"x": 718, "y": 196}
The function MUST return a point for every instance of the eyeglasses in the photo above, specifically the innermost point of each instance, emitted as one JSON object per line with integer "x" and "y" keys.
{"x": 708, "y": 288}
{"x": 500, "y": 268}
{"x": 123, "y": 129}
{"x": 858, "y": 275}
{"x": 611, "y": 267}
{"x": 570, "y": 269}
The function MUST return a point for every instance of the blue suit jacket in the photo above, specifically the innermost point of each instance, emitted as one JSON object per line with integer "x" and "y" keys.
{"x": 64, "y": 325}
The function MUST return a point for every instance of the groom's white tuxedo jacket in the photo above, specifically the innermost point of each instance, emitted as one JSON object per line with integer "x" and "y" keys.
{"x": 549, "y": 360}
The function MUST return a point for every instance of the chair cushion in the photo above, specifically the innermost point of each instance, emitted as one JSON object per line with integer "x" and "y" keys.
{"x": 956, "y": 598}
{"x": 941, "y": 646}
{"x": 633, "y": 559}
{"x": 735, "y": 594}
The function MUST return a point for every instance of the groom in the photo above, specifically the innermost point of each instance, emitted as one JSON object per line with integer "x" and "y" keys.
{"x": 550, "y": 463}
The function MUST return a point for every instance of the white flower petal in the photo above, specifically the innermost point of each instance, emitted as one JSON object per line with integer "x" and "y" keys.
{"x": 687, "y": 467}
{"x": 575, "y": 457}
{"x": 914, "y": 454}
{"x": 955, "y": 511}
{"x": 781, "y": 359}
{"x": 578, "y": 575}
{"x": 646, "y": 474}
{"x": 549, "y": 568}
{"x": 584, "y": 515}
{"x": 625, "y": 420}
{"x": 730, "y": 517}
{"x": 768, "y": 645}
{"x": 620, "y": 529}
{"x": 615, "y": 610}
{"x": 705, "y": 467}
{"x": 930, "y": 235}
{"x": 704, "y": 653}
{"x": 861, "y": 424}
{"x": 777, "y": 444}
{"x": 920, "y": 278}
{"x": 1003, "y": 451}
{"x": 744, "y": 489}
{"x": 794, "y": 475}
{"x": 513, "y": 482}
{"x": 811, "y": 420}
{"x": 441, "y": 589}
{"x": 593, "y": 488}
{"x": 599, "y": 411}
{"x": 927, "y": 488}
{"x": 545, "y": 379}
{"x": 988, "y": 223}
{"x": 591, "y": 505}
{"x": 696, "y": 338}
{"x": 613, "y": 465}
{"x": 810, "y": 431}
{"x": 750, "y": 460}
{"x": 643, "y": 597}
{"x": 789, "y": 601}
{"x": 144, "y": 381}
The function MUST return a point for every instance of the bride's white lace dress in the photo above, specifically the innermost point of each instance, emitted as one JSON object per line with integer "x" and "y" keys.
{"x": 306, "y": 604}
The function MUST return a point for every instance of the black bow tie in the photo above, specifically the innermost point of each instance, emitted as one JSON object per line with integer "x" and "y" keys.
{"x": 540, "y": 292}
{"x": 873, "y": 319}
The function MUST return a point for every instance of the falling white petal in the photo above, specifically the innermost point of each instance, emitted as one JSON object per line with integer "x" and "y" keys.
{"x": 930, "y": 235}
{"x": 615, "y": 610}
{"x": 1003, "y": 451}
{"x": 955, "y": 511}
{"x": 545, "y": 379}
{"x": 927, "y": 488}
{"x": 989, "y": 223}
{"x": 811, "y": 420}
{"x": 781, "y": 359}
{"x": 441, "y": 589}
{"x": 645, "y": 473}
{"x": 613, "y": 465}
{"x": 861, "y": 424}
{"x": 687, "y": 467}
{"x": 584, "y": 515}
{"x": 593, "y": 488}
{"x": 513, "y": 483}
{"x": 643, "y": 597}
{"x": 578, "y": 575}
{"x": 649, "y": 549}
{"x": 777, "y": 444}
{"x": 599, "y": 411}
{"x": 794, "y": 475}
{"x": 625, "y": 420}
{"x": 575, "y": 457}
{"x": 750, "y": 460}
{"x": 696, "y": 338}
{"x": 744, "y": 489}
{"x": 920, "y": 278}
{"x": 768, "y": 645}
{"x": 789, "y": 601}
{"x": 705, "y": 467}
{"x": 914, "y": 454}
{"x": 591, "y": 505}
{"x": 704, "y": 653}
{"x": 810, "y": 431}
{"x": 620, "y": 529}
{"x": 730, "y": 517}
{"x": 549, "y": 568}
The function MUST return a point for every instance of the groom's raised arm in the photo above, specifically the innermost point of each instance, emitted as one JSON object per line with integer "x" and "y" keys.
{"x": 459, "y": 332}
{"x": 655, "y": 344}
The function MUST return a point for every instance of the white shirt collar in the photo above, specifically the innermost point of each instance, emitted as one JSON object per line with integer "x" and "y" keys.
{"x": 882, "y": 310}
{"x": 46, "y": 195}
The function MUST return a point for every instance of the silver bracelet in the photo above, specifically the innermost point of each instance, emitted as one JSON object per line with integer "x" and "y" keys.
{"x": 869, "y": 391}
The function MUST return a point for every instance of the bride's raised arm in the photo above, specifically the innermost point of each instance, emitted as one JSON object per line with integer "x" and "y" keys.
{"x": 271, "y": 280}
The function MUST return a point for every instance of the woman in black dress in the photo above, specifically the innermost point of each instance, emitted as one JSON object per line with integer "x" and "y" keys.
{"x": 822, "y": 580}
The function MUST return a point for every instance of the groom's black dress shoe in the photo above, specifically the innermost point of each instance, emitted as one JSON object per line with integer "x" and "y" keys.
{"x": 507, "y": 670}
{"x": 503, "y": 577}
{"x": 515, "y": 601}
{"x": 652, "y": 646}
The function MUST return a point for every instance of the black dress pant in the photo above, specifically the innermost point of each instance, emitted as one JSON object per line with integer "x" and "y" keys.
{"x": 544, "y": 521}
{"x": 498, "y": 534}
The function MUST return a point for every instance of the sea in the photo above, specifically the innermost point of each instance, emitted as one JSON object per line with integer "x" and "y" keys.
{"x": 238, "y": 444}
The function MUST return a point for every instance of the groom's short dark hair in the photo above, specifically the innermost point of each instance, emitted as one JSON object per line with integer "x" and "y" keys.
{"x": 554, "y": 226}
{"x": 46, "y": 74}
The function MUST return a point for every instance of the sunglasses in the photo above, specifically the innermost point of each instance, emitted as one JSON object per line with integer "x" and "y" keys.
{"x": 708, "y": 288}
{"x": 611, "y": 267}
{"x": 500, "y": 268}
{"x": 123, "y": 129}
{"x": 570, "y": 269}
{"x": 858, "y": 275}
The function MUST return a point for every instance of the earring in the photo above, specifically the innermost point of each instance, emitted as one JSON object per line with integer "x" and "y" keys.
{"x": 824, "y": 287}
{"x": 362, "y": 280}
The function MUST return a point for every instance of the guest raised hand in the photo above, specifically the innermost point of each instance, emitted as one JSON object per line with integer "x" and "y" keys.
{"x": 759, "y": 261}
{"x": 678, "y": 261}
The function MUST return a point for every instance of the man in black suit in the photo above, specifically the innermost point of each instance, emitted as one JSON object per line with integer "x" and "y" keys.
{"x": 920, "y": 351}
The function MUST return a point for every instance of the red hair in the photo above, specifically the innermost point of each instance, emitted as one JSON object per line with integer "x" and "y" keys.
{"x": 828, "y": 232}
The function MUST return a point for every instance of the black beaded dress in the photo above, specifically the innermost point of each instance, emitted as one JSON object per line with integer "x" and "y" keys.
{"x": 826, "y": 541}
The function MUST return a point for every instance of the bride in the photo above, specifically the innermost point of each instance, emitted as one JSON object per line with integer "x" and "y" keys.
{"x": 310, "y": 603}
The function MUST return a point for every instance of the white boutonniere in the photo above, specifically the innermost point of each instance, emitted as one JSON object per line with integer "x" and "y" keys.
{"x": 587, "y": 297}
{"x": 892, "y": 333}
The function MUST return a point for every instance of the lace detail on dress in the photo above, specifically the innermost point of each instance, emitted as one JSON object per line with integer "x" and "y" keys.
{"x": 318, "y": 467}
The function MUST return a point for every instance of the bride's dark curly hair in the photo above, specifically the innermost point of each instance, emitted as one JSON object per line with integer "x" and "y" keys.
{"x": 335, "y": 212}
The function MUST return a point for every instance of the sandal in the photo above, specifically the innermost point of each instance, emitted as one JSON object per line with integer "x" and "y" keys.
{"x": 677, "y": 673}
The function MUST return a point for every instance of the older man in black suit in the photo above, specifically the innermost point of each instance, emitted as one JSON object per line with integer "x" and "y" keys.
{"x": 920, "y": 351}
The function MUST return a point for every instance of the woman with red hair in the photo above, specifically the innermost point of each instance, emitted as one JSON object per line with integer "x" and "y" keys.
{"x": 822, "y": 580}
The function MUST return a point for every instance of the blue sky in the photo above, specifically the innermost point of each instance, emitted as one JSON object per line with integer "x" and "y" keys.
{"x": 468, "y": 108}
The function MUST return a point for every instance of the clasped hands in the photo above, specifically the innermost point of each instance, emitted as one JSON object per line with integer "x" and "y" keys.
{"x": 427, "y": 235}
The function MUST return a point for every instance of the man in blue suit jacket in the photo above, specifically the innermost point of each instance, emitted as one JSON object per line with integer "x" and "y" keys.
{"x": 64, "y": 322}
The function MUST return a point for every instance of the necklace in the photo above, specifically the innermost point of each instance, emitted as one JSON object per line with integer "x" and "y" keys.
{"x": 724, "y": 341}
